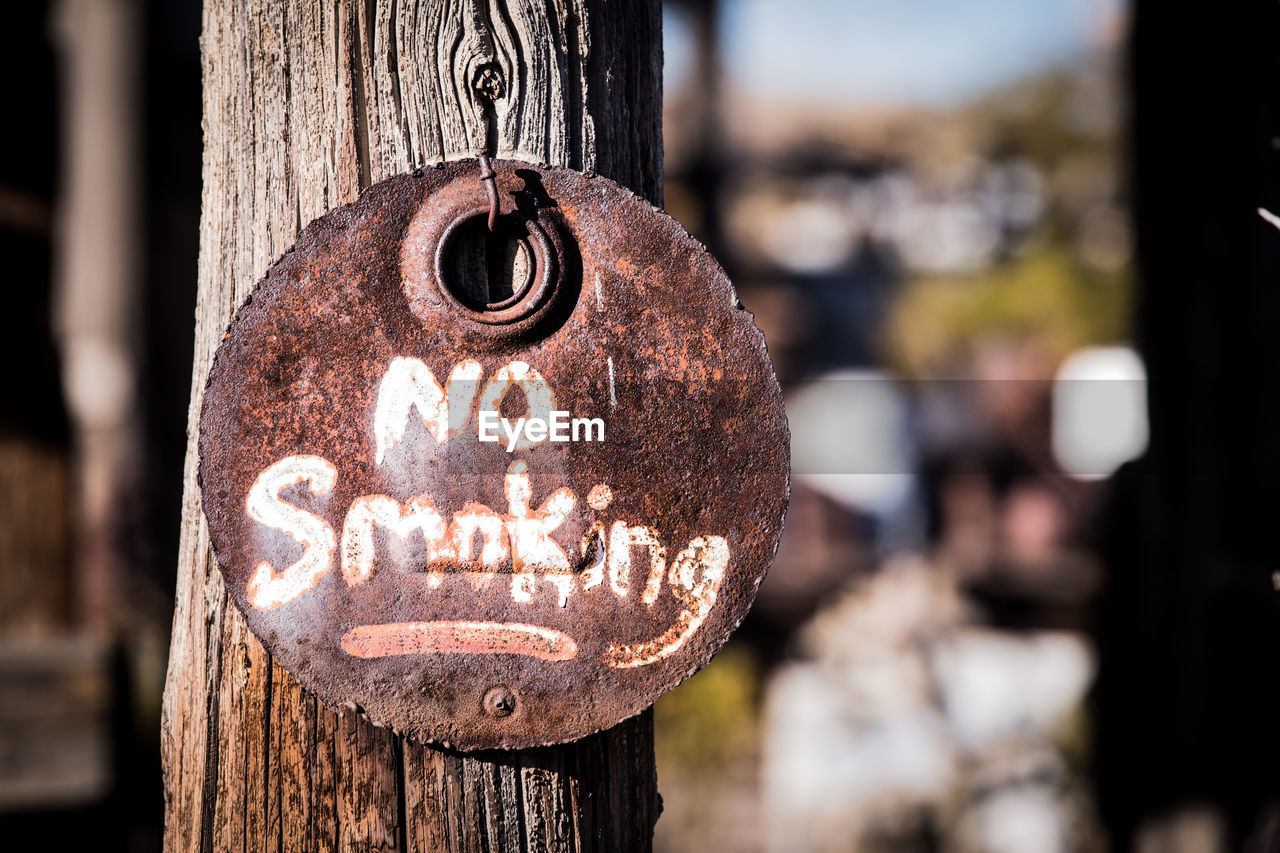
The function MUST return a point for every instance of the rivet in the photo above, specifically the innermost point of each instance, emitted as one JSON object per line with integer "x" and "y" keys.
{"x": 499, "y": 702}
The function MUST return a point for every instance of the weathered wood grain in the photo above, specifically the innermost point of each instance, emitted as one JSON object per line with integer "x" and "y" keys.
{"x": 305, "y": 103}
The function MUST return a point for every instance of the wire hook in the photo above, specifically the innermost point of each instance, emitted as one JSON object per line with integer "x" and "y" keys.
{"x": 487, "y": 174}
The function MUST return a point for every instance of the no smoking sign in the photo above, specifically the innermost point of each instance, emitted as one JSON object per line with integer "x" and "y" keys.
{"x": 493, "y": 517}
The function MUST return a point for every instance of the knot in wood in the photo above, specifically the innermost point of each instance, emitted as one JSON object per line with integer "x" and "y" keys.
{"x": 488, "y": 82}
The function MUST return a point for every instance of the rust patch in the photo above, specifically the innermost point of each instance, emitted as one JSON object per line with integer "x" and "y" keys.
{"x": 493, "y": 521}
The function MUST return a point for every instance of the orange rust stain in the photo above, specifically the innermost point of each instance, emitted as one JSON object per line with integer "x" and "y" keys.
{"x": 600, "y": 496}
{"x": 459, "y": 638}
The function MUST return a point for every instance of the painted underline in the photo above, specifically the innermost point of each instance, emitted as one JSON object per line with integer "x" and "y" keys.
{"x": 465, "y": 638}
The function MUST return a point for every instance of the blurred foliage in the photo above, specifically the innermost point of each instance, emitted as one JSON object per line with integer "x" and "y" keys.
{"x": 1066, "y": 285}
{"x": 712, "y": 719}
{"x": 1051, "y": 117}
{"x": 1046, "y": 296}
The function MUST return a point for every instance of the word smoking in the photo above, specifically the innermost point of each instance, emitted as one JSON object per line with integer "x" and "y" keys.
{"x": 561, "y": 427}
{"x": 598, "y": 563}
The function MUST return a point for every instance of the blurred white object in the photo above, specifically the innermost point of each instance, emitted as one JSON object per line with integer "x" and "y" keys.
{"x": 812, "y": 235}
{"x": 833, "y": 763}
{"x": 1099, "y": 411}
{"x": 906, "y": 717}
{"x": 996, "y": 685}
{"x": 1017, "y": 819}
{"x": 955, "y": 235}
{"x": 850, "y": 440}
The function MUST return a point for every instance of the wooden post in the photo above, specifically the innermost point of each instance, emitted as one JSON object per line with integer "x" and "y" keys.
{"x": 1187, "y": 702}
{"x": 305, "y": 104}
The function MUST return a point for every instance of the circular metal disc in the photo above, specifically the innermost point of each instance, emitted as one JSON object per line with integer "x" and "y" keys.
{"x": 493, "y": 594}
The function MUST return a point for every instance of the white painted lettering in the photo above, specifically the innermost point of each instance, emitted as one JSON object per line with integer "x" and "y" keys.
{"x": 419, "y": 515}
{"x": 537, "y": 393}
{"x": 532, "y": 549}
{"x": 269, "y": 589}
{"x": 621, "y": 538}
{"x": 410, "y": 384}
{"x": 711, "y": 555}
{"x": 522, "y": 535}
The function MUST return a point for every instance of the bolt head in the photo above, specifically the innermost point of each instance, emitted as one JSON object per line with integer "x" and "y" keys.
{"x": 499, "y": 702}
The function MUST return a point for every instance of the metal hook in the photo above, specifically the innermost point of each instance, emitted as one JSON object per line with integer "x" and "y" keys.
{"x": 487, "y": 174}
{"x": 490, "y": 180}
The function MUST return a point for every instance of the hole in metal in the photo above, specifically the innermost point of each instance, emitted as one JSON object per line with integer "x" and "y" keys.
{"x": 487, "y": 271}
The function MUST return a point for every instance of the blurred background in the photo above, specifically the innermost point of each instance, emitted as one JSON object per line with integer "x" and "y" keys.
{"x": 1011, "y": 266}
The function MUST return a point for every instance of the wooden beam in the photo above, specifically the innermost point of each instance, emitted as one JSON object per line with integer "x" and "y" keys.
{"x": 305, "y": 104}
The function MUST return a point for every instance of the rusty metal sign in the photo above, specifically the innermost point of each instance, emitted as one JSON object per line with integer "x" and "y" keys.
{"x": 493, "y": 516}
